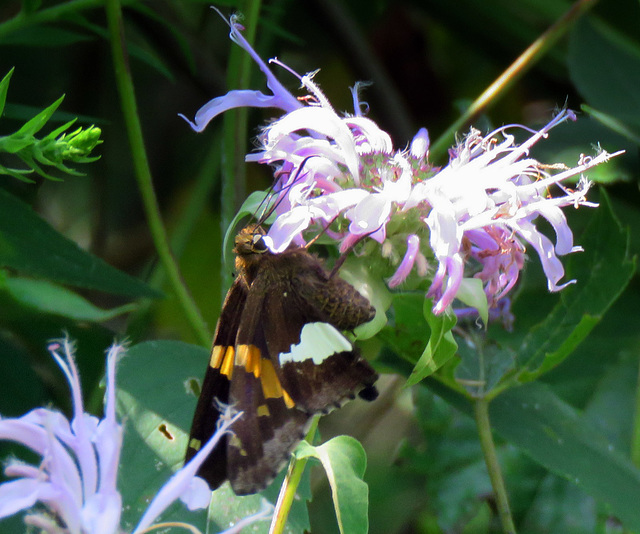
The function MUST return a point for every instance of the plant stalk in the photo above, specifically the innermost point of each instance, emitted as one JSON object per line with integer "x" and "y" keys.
{"x": 514, "y": 72}
{"x": 290, "y": 486}
{"x": 481, "y": 412}
{"x": 235, "y": 126}
{"x": 143, "y": 172}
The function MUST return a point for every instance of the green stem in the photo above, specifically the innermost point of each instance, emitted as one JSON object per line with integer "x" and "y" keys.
{"x": 481, "y": 412}
{"x": 290, "y": 486}
{"x": 516, "y": 70}
{"x": 143, "y": 172}
{"x": 235, "y": 122}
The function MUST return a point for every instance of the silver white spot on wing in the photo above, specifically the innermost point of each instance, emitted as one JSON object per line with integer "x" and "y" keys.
{"x": 318, "y": 341}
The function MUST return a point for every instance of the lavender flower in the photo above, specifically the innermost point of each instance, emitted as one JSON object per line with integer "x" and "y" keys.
{"x": 341, "y": 174}
{"x": 76, "y": 479}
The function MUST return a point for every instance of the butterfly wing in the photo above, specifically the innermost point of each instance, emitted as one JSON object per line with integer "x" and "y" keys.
{"x": 317, "y": 365}
{"x": 270, "y": 426}
{"x": 216, "y": 386}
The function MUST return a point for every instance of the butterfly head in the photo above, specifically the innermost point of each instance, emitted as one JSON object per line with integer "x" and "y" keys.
{"x": 250, "y": 248}
{"x": 250, "y": 240}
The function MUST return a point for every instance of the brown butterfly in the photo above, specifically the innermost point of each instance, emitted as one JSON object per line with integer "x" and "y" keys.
{"x": 279, "y": 357}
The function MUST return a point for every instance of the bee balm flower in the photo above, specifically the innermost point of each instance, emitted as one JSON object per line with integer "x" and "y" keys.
{"x": 76, "y": 479}
{"x": 340, "y": 174}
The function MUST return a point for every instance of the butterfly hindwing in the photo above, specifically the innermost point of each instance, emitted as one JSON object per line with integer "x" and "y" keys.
{"x": 317, "y": 364}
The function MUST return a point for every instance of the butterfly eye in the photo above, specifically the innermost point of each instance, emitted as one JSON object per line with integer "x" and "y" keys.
{"x": 257, "y": 244}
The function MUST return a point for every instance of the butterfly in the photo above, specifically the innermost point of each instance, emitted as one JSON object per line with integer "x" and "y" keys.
{"x": 279, "y": 356}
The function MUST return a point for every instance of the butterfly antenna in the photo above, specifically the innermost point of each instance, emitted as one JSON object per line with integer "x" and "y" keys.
{"x": 281, "y": 193}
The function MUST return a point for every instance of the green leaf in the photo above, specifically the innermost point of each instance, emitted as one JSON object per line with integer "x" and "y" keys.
{"x": 17, "y": 173}
{"x": 157, "y": 384}
{"x": 472, "y": 294}
{"x": 555, "y": 435}
{"x": 30, "y": 246}
{"x": 12, "y": 144}
{"x": 482, "y": 365}
{"x": 249, "y": 207}
{"x": 4, "y": 87}
{"x": 44, "y": 36}
{"x": 344, "y": 462}
{"x": 152, "y": 381}
{"x": 34, "y": 125}
{"x": 356, "y": 271}
{"x": 441, "y": 347}
{"x": 581, "y": 306}
{"x": 612, "y": 86}
{"x": 611, "y": 122}
{"x": 30, "y": 6}
{"x": 47, "y": 297}
{"x": 407, "y": 332}
{"x": 559, "y": 438}
{"x": 554, "y": 509}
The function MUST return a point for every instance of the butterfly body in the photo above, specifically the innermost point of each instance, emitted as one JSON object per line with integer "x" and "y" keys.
{"x": 279, "y": 357}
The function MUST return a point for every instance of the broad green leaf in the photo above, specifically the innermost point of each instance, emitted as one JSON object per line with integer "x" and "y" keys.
{"x": 156, "y": 398}
{"x": 344, "y": 462}
{"x": 612, "y": 402}
{"x": 481, "y": 522}
{"x": 30, "y": 246}
{"x": 441, "y": 346}
{"x": 581, "y": 306}
{"x": 47, "y": 297}
{"x": 482, "y": 365}
{"x": 560, "y": 506}
{"x": 607, "y": 175}
{"x": 559, "y": 438}
{"x": 449, "y": 460}
{"x": 605, "y": 67}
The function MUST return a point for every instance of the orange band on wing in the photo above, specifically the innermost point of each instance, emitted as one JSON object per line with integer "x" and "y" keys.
{"x": 271, "y": 388}
{"x": 223, "y": 358}
{"x": 227, "y": 365}
{"x": 248, "y": 356}
{"x": 217, "y": 356}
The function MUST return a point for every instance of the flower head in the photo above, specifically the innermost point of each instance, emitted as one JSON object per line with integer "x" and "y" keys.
{"x": 472, "y": 218}
{"x": 76, "y": 478}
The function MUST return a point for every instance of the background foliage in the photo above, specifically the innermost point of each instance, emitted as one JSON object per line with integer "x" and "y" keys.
{"x": 566, "y": 437}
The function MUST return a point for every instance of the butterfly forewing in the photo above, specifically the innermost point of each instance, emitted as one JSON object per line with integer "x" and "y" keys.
{"x": 215, "y": 388}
